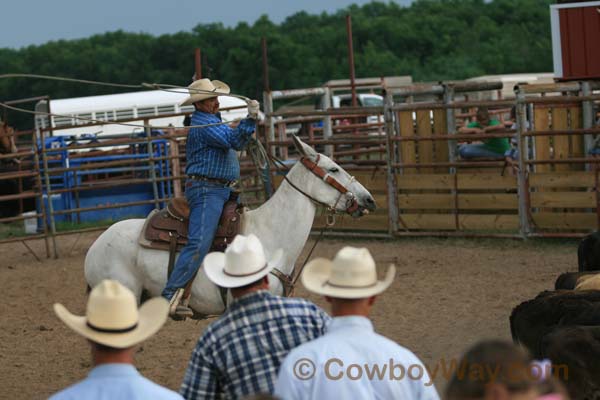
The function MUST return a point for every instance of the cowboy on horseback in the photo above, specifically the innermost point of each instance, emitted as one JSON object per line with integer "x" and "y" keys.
{"x": 212, "y": 169}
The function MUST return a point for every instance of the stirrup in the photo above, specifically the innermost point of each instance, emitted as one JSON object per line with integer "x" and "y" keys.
{"x": 179, "y": 311}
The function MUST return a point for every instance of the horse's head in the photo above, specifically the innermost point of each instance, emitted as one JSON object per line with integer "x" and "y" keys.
{"x": 326, "y": 182}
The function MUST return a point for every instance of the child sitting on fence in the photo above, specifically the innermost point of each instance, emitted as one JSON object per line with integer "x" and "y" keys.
{"x": 489, "y": 148}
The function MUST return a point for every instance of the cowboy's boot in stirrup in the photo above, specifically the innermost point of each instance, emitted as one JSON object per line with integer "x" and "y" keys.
{"x": 178, "y": 311}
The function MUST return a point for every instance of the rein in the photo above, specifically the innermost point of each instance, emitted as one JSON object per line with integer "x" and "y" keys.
{"x": 289, "y": 281}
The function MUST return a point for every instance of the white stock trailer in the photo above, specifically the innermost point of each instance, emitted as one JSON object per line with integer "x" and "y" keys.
{"x": 71, "y": 117}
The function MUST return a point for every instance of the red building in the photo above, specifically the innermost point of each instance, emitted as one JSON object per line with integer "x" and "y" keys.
{"x": 576, "y": 40}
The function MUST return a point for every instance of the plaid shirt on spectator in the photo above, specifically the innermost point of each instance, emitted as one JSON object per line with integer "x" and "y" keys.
{"x": 210, "y": 151}
{"x": 240, "y": 354}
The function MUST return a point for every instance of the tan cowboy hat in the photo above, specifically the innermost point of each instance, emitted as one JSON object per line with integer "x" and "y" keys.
{"x": 112, "y": 317}
{"x": 351, "y": 275}
{"x": 203, "y": 89}
{"x": 242, "y": 263}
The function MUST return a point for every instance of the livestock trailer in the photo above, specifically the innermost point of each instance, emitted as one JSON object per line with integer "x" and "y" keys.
{"x": 71, "y": 117}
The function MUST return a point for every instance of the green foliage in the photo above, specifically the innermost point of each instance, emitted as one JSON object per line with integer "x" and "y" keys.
{"x": 430, "y": 39}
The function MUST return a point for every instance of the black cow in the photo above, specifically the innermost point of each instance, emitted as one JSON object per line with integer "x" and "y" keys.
{"x": 588, "y": 253}
{"x": 531, "y": 320}
{"x": 569, "y": 280}
{"x": 575, "y": 351}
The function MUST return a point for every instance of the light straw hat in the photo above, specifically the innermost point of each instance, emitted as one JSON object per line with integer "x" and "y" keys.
{"x": 203, "y": 89}
{"x": 351, "y": 275}
{"x": 112, "y": 316}
{"x": 243, "y": 262}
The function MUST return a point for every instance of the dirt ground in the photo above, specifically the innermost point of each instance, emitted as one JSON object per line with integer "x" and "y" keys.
{"x": 448, "y": 294}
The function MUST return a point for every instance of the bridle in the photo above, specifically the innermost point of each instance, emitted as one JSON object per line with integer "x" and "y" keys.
{"x": 289, "y": 281}
{"x": 313, "y": 166}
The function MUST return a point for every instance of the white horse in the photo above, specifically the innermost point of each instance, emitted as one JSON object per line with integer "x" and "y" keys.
{"x": 284, "y": 221}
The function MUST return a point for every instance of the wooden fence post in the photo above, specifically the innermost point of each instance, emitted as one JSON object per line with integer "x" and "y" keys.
{"x": 392, "y": 196}
{"x": 38, "y": 133}
{"x": 450, "y": 124}
{"x": 588, "y": 119}
{"x": 175, "y": 163}
{"x": 522, "y": 177}
{"x": 327, "y": 126}
{"x": 151, "y": 163}
{"x": 269, "y": 123}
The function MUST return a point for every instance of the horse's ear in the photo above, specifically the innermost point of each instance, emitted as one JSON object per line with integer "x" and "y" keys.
{"x": 304, "y": 149}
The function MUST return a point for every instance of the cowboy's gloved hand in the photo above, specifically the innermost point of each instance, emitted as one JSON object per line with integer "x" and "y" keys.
{"x": 253, "y": 109}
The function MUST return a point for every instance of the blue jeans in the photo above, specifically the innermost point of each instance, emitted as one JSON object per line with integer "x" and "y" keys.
{"x": 206, "y": 202}
{"x": 468, "y": 151}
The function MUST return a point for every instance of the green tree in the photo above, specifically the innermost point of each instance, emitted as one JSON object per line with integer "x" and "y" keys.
{"x": 430, "y": 40}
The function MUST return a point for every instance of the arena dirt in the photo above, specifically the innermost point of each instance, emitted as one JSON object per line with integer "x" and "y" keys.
{"x": 448, "y": 294}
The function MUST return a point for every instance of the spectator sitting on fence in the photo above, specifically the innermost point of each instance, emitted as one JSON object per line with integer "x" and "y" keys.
{"x": 490, "y": 148}
{"x": 512, "y": 154}
{"x": 595, "y": 150}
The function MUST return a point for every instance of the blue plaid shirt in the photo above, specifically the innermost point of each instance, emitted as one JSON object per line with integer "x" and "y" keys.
{"x": 210, "y": 151}
{"x": 240, "y": 353}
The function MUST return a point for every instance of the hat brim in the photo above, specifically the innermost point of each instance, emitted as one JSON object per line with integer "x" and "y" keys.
{"x": 318, "y": 271}
{"x": 214, "y": 267}
{"x": 220, "y": 88}
{"x": 152, "y": 316}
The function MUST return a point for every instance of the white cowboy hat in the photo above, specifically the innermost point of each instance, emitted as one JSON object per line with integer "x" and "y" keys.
{"x": 351, "y": 275}
{"x": 242, "y": 263}
{"x": 112, "y": 317}
{"x": 203, "y": 89}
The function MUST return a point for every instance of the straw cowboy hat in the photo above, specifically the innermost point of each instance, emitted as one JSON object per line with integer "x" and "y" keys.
{"x": 203, "y": 89}
{"x": 112, "y": 317}
{"x": 351, "y": 275}
{"x": 242, "y": 263}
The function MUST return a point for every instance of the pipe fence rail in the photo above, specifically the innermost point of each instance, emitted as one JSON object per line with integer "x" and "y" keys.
{"x": 546, "y": 187}
{"x": 404, "y": 152}
{"x": 78, "y": 183}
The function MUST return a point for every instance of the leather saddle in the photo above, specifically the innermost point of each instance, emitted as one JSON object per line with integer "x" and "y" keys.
{"x": 167, "y": 229}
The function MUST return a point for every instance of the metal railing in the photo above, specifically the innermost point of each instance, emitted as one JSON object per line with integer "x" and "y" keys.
{"x": 404, "y": 152}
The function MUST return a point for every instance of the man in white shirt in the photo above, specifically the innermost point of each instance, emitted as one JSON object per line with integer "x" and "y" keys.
{"x": 351, "y": 361}
{"x": 113, "y": 326}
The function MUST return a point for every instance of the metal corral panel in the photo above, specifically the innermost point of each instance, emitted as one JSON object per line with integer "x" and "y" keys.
{"x": 388, "y": 81}
{"x": 508, "y": 84}
{"x": 102, "y": 197}
{"x": 575, "y": 40}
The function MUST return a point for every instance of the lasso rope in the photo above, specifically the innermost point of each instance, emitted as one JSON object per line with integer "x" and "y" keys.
{"x": 110, "y": 122}
{"x": 60, "y": 78}
{"x": 258, "y": 154}
{"x": 158, "y": 86}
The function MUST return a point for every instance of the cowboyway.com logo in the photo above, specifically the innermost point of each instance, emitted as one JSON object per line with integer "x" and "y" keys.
{"x": 335, "y": 369}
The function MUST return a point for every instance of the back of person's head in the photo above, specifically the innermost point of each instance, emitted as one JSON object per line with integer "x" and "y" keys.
{"x": 257, "y": 284}
{"x": 106, "y": 349}
{"x": 493, "y": 369}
